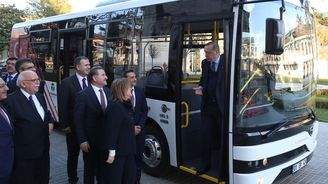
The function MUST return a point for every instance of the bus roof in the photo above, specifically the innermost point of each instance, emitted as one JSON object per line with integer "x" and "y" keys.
{"x": 110, "y": 8}
{"x": 103, "y": 9}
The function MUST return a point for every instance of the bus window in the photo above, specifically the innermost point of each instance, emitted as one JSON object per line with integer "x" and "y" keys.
{"x": 152, "y": 39}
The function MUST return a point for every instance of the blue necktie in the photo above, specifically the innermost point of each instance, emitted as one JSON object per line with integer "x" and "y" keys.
{"x": 213, "y": 67}
{"x": 10, "y": 78}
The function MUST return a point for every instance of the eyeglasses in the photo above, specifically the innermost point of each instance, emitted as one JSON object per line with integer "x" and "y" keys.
{"x": 3, "y": 85}
{"x": 28, "y": 68}
{"x": 32, "y": 80}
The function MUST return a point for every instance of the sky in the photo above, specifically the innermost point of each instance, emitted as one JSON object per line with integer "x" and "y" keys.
{"x": 79, "y": 5}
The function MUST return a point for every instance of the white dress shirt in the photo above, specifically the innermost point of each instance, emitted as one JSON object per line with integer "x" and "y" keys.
{"x": 80, "y": 78}
{"x": 38, "y": 106}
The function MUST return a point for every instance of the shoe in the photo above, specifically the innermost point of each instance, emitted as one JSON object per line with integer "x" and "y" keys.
{"x": 202, "y": 169}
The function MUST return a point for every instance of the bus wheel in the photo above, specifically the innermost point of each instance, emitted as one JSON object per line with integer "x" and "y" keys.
{"x": 156, "y": 152}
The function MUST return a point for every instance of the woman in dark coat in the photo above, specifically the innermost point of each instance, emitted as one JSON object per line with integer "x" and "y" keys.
{"x": 119, "y": 138}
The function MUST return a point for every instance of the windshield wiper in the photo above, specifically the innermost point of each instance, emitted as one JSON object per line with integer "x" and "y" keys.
{"x": 287, "y": 121}
{"x": 275, "y": 129}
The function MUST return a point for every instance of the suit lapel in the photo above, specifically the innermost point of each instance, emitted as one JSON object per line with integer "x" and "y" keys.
{"x": 29, "y": 105}
{"x": 76, "y": 83}
{"x": 93, "y": 96}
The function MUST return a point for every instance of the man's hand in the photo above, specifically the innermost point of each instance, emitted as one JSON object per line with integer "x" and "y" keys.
{"x": 85, "y": 147}
{"x": 137, "y": 129}
{"x": 198, "y": 90}
{"x": 51, "y": 127}
{"x": 110, "y": 159}
{"x": 67, "y": 130}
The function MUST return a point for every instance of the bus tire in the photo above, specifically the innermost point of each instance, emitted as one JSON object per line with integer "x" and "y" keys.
{"x": 156, "y": 152}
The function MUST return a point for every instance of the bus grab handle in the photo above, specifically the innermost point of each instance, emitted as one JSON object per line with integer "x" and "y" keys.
{"x": 187, "y": 115}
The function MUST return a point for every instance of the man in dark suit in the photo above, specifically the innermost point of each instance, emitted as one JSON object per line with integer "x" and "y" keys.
{"x": 212, "y": 89}
{"x": 140, "y": 107}
{"x": 89, "y": 114}
{"x": 32, "y": 125}
{"x": 20, "y": 66}
{"x": 66, "y": 101}
{"x": 11, "y": 70}
{"x": 6, "y": 138}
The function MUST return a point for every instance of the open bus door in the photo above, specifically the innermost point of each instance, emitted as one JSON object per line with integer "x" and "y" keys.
{"x": 195, "y": 36}
{"x": 72, "y": 43}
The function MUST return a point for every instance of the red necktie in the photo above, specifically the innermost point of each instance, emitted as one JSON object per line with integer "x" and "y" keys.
{"x": 84, "y": 84}
{"x": 102, "y": 100}
{"x": 3, "y": 114}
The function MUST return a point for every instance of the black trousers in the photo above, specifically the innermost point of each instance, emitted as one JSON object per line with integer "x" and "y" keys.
{"x": 140, "y": 143}
{"x": 121, "y": 171}
{"x": 92, "y": 165}
{"x": 210, "y": 129}
{"x": 31, "y": 171}
{"x": 73, "y": 151}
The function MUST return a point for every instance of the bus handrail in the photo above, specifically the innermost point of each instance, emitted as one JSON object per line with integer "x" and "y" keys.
{"x": 190, "y": 82}
{"x": 187, "y": 115}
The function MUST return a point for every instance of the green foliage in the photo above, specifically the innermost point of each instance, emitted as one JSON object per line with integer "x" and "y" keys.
{"x": 9, "y": 16}
{"x": 323, "y": 81}
{"x": 47, "y": 8}
{"x": 322, "y": 114}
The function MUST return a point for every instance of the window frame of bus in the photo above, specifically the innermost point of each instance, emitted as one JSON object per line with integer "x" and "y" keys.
{"x": 40, "y": 31}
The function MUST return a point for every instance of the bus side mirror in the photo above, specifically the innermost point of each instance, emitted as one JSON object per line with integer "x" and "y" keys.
{"x": 274, "y": 36}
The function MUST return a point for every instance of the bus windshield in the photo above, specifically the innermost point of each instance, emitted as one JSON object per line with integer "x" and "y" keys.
{"x": 275, "y": 87}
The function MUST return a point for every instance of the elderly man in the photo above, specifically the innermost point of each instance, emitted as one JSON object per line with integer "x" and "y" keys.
{"x": 6, "y": 138}
{"x": 32, "y": 124}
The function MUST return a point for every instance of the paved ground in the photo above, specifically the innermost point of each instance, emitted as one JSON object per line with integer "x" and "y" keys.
{"x": 316, "y": 172}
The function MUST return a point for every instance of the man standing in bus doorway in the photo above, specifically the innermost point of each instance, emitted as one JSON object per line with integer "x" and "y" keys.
{"x": 32, "y": 124}
{"x": 6, "y": 138}
{"x": 140, "y": 107}
{"x": 11, "y": 70}
{"x": 89, "y": 115}
{"x": 212, "y": 89}
{"x": 66, "y": 101}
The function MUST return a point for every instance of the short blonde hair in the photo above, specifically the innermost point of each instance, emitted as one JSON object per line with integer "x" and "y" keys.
{"x": 118, "y": 88}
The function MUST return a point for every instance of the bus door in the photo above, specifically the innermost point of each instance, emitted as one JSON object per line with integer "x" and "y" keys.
{"x": 195, "y": 36}
{"x": 72, "y": 43}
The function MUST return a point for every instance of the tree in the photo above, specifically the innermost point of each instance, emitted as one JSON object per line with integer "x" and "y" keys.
{"x": 9, "y": 16}
{"x": 47, "y": 8}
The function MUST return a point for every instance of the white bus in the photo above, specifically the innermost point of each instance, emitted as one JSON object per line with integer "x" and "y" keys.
{"x": 269, "y": 129}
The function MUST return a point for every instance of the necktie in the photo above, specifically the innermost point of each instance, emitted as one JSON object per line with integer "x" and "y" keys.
{"x": 84, "y": 84}
{"x": 102, "y": 100}
{"x": 33, "y": 104}
{"x": 2, "y": 112}
{"x": 132, "y": 99}
{"x": 10, "y": 78}
{"x": 213, "y": 67}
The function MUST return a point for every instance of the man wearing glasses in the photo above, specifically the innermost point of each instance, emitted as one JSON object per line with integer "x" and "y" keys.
{"x": 20, "y": 66}
{"x": 32, "y": 123}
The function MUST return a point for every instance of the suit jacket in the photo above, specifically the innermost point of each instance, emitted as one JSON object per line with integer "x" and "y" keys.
{"x": 68, "y": 90}
{"x": 220, "y": 84}
{"x": 13, "y": 86}
{"x": 31, "y": 138}
{"x": 88, "y": 116}
{"x": 5, "y": 77}
{"x": 141, "y": 108}
{"x": 6, "y": 146}
{"x": 118, "y": 130}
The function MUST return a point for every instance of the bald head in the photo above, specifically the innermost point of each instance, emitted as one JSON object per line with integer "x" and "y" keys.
{"x": 28, "y": 81}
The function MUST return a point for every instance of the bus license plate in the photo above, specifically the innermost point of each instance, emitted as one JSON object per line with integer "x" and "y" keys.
{"x": 299, "y": 165}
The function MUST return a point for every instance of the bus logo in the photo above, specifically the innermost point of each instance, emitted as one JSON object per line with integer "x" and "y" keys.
{"x": 164, "y": 108}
